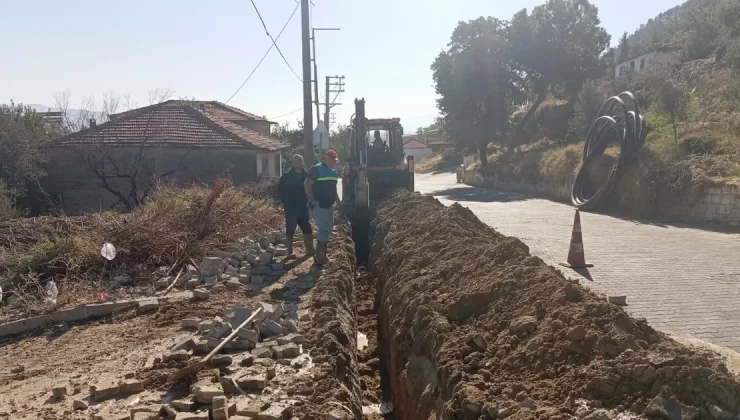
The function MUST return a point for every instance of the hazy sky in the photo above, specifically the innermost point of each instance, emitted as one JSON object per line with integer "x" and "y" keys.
{"x": 205, "y": 49}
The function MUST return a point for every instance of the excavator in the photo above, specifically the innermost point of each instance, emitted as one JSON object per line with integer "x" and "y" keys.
{"x": 375, "y": 168}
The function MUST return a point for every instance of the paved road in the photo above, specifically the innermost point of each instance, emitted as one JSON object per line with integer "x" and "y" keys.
{"x": 685, "y": 280}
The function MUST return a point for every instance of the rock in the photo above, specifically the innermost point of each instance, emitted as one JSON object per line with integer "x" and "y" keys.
{"x": 557, "y": 325}
{"x": 252, "y": 382}
{"x": 665, "y": 406}
{"x": 184, "y": 279}
{"x": 281, "y": 251}
{"x": 572, "y": 293}
{"x": 59, "y": 391}
{"x": 148, "y": 305}
{"x": 176, "y": 356}
{"x": 168, "y": 412}
{"x": 490, "y": 409}
{"x": 241, "y": 344}
{"x": 190, "y": 322}
{"x": 247, "y": 360}
{"x": 187, "y": 405}
{"x": 277, "y": 312}
{"x": 204, "y": 326}
{"x": 618, "y": 300}
{"x": 264, "y": 242}
{"x": 477, "y": 342}
{"x": 599, "y": 414}
{"x": 374, "y": 364}
{"x": 290, "y": 325}
{"x": 304, "y": 316}
{"x": 267, "y": 310}
{"x": 221, "y": 360}
{"x": 79, "y": 405}
{"x": 145, "y": 413}
{"x": 192, "y": 283}
{"x": 218, "y": 288}
{"x": 576, "y": 333}
{"x": 270, "y": 372}
{"x": 276, "y": 411}
{"x": 718, "y": 413}
{"x": 265, "y": 258}
{"x": 273, "y": 327}
{"x": 204, "y": 393}
{"x": 132, "y": 386}
{"x": 201, "y": 294}
{"x": 524, "y": 324}
{"x": 220, "y": 331}
{"x": 231, "y": 270}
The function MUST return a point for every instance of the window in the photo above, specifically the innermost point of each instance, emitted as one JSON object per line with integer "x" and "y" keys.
{"x": 277, "y": 164}
{"x": 264, "y": 167}
{"x": 632, "y": 65}
{"x": 642, "y": 64}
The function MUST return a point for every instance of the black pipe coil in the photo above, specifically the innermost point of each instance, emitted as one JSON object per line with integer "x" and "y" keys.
{"x": 616, "y": 123}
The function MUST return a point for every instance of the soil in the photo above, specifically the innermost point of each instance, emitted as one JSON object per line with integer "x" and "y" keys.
{"x": 476, "y": 327}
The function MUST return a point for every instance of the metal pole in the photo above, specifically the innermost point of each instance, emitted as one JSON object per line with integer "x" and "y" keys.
{"x": 316, "y": 78}
{"x": 328, "y": 106}
{"x": 307, "y": 115}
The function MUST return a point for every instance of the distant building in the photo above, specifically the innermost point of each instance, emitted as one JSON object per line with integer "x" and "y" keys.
{"x": 53, "y": 119}
{"x": 659, "y": 58}
{"x": 412, "y": 146}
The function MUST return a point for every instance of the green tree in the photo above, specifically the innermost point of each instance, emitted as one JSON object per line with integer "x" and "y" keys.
{"x": 669, "y": 95}
{"x": 586, "y": 110}
{"x": 623, "y": 48}
{"x": 339, "y": 141}
{"x": 22, "y": 133}
{"x": 476, "y": 86}
{"x": 558, "y": 45}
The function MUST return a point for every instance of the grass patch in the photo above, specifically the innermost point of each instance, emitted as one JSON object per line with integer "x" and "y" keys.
{"x": 438, "y": 162}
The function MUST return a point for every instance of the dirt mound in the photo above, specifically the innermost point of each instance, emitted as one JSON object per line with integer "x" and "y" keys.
{"x": 473, "y": 325}
{"x": 334, "y": 387}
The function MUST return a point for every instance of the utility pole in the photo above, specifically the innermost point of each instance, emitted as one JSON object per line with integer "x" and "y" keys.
{"x": 316, "y": 73}
{"x": 307, "y": 114}
{"x": 334, "y": 84}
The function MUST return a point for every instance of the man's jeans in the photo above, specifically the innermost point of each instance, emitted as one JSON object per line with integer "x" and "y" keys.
{"x": 324, "y": 219}
{"x": 297, "y": 216}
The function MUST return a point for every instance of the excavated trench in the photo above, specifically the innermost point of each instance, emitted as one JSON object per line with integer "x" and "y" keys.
{"x": 463, "y": 323}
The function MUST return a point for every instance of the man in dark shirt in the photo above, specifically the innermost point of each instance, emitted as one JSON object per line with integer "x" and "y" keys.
{"x": 293, "y": 196}
{"x": 321, "y": 188}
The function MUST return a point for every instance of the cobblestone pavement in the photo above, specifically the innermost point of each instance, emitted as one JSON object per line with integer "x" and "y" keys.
{"x": 685, "y": 280}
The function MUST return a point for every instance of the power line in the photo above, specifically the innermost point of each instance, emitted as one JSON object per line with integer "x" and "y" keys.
{"x": 285, "y": 115}
{"x": 273, "y": 41}
{"x": 264, "y": 56}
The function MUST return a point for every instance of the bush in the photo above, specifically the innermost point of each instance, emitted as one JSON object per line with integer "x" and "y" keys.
{"x": 7, "y": 209}
{"x": 590, "y": 99}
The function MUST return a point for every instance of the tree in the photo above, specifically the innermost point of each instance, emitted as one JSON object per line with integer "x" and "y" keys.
{"x": 476, "y": 85}
{"x": 623, "y": 48}
{"x": 668, "y": 95}
{"x": 339, "y": 140}
{"x": 586, "y": 109}
{"x": 558, "y": 45}
{"x": 22, "y": 134}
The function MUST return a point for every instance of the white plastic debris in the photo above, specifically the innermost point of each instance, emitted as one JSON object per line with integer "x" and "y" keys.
{"x": 51, "y": 291}
{"x": 1, "y": 294}
{"x": 108, "y": 251}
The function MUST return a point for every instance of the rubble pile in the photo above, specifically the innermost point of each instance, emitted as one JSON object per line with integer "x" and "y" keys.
{"x": 474, "y": 327}
{"x": 249, "y": 266}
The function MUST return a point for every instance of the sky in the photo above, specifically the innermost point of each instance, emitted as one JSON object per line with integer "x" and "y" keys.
{"x": 206, "y": 49}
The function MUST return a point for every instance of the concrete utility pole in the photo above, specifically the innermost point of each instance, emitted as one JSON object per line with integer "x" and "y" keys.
{"x": 336, "y": 87}
{"x": 316, "y": 74}
{"x": 307, "y": 115}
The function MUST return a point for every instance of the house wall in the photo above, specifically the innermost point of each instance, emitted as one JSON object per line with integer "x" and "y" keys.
{"x": 262, "y": 127}
{"x": 71, "y": 182}
{"x": 274, "y": 166}
{"x": 653, "y": 59}
{"x": 418, "y": 154}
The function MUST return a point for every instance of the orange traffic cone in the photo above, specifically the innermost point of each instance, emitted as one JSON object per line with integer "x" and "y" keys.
{"x": 576, "y": 257}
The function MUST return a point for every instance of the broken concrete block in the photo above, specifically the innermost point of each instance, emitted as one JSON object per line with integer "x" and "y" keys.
{"x": 233, "y": 285}
{"x": 209, "y": 279}
{"x": 277, "y": 312}
{"x": 205, "y": 325}
{"x": 218, "y": 402}
{"x": 175, "y": 356}
{"x": 59, "y": 391}
{"x": 168, "y": 412}
{"x": 267, "y": 309}
{"x": 187, "y": 405}
{"x": 218, "y": 288}
{"x": 213, "y": 342}
{"x": 145, "y": 412}
{"x": 191, "y": 322}
{"x": 250, "y": 335}
{"x": 220, "y": 331}
{"x": 231, "y": 270}
{"x": 289, "y": 325}
{"x": 291, "y": 338}
{"x": 208, "y": 375}
{"x": 255, "y": 279}
{"x": 287, "y": 351}
{"x": 220, "y": 360}
{"x": 277, "y": 267}
{"x": 184, "y": 279}
{"x": 79, "y": 405}
{"x": 132, "y": 386}
{"x": 265, "y": 258}
{"x": 273, "y": 327}
{"x": 276, "y": 411}
{"x": 228, "y": 385}
{"x": 244, "y": 278}
{"x": 618, "y": 300}
{"x": 201, "y": 294}
{"x": 201, "y": 415}
{"x": 240, "y": 344}
{"x": 201, "y": 347}
{"x": 238, "y": 315}
{"x": 192, "y": 283}
{"x": 304, "y": 316}
{"x": 247, "y": 360}
{"x": 104, "y": 390}
{"x": 211, "y": 264}
{"x": 270, "y": 372}
{"x": 265, "y": 362}
{"x": 252, "y": 382}
{"x": 148, "y": 305}
{"x": 163, "y": 282}
{"x": 204, "y": 392}
{"x": 186, "y": 344}
{"x": 219, "y": 414}
{"x": 260, "y": 353}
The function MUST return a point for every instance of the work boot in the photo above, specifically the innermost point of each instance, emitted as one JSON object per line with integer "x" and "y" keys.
{"x": 308, "y": 244}
{"x": 321, "y": 257}
{"x": 289, "y": 245}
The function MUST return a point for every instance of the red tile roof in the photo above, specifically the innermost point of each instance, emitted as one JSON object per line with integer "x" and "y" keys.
{"x": 414, "y": 144}
{"x": 176, "y": 123}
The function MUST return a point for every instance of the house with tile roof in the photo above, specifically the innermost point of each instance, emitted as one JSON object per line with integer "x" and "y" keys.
{"x": 112, "y": 164}
{"x": 414, "y": 146}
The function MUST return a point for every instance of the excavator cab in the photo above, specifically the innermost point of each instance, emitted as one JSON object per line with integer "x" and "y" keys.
{"x": 376, "y": 167}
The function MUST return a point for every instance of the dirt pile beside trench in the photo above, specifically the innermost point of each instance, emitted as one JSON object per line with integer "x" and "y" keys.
{"x": 473, "y": 327}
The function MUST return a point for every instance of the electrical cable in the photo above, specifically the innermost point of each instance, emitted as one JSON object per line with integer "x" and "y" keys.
{"x": 616, "y": 123}
{"x": 264, "y": 56}
{"x": 285, "y": 115}
{"x": 274, "y": 42}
